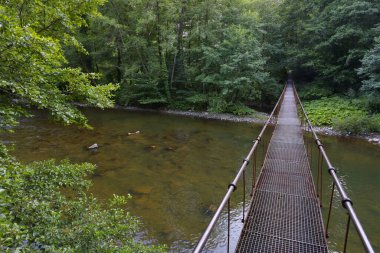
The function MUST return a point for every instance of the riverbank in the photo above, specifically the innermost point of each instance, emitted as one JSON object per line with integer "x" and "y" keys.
{"x": 257, "y": 118}
{"x": 373, "y": 138}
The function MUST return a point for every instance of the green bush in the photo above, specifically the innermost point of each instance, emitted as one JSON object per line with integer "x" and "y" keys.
{"x": 144, "y": 93}
{"x": 198, "y": 101}
{"x": 160, "y": 101}
{"x": 45, "y": 208}
{"x": 357, "y": 124}
{"x": 241, "y": 110}
{"x": 217, "y": 105}
{"x": 180, "y": 105}
{"x": 324, "y": 111}
{"x": 372, "y": 102}
{"x": 314, "y": 91}
{"x": 346, "y": 115}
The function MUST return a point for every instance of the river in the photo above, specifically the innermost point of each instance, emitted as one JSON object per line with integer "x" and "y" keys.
{"x": 177, "y": 169}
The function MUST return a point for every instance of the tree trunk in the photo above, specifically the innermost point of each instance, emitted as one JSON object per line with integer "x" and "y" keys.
{"x": 162, "y": 81}
{"x": 178, "y": 53}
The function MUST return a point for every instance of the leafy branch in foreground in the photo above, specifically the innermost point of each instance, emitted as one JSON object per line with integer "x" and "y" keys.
{"x": 44, "y": 205}
{"x": 37, "y": 216}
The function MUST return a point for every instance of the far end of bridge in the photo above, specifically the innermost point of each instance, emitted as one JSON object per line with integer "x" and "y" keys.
{"x": 284, "y": 214}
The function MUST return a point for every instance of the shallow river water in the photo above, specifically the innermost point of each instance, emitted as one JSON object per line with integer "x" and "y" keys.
{"x": 177, "y": 169}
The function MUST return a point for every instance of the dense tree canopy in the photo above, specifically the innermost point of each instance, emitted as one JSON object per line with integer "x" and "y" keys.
{"x": 327, "y": 40}
{"x": 186, "y": 54}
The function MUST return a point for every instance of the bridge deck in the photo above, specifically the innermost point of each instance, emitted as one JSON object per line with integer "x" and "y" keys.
{"x": 284, "y": 215}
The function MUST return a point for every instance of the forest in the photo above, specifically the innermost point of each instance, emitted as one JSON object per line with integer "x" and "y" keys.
{"x": 220, "y": 56}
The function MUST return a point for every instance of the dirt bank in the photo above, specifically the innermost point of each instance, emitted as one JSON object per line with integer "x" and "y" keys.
{"x": 257, "y": 118}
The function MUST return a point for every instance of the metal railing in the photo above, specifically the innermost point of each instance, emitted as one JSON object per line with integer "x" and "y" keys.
{"x": 346, "y": 201}
{"x": 233, "y": 186}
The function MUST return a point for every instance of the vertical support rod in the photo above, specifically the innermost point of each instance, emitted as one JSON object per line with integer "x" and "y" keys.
{"x": 347, "y": 232}
{"x": 321, "y": 180}
{"x": 228, "y": 225}
{"x": 330, "y": 209}
{"x": 311, "y": 146}
{"x": 242, "y": 220}
{"x": 318, "y": 168}
{"x": 254, "y": 171}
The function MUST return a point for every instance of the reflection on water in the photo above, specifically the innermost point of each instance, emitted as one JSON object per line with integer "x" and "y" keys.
{"x": 177, "y": 170}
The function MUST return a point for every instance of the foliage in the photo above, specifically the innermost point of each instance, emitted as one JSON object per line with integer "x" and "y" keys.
{"x": 44, "y": 205}
{"x": 217, "y": 105}
{"x": 32, "y": 69}
{"x": 357, "y": 124}
{"x": 39, "y": 217}
{"x": 197, "y": 102}
{"x": 314, "y": 91}
{"x": 326, "y": 40}
{"x": 345, "y": 115}
{"x": 158, "y": 50}
{"x": 141, "y": 93}
{"x": 324, "y": 111}
{"x": 372, "y": 102}
{"x": 371, "y": 70}
{"x": 242, "y": 110}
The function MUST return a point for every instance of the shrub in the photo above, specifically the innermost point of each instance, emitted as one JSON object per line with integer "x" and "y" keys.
{"x": 45, "y": 208}
{"x": 345, "y": 115}
{"x": 197, "y": 101}
{"x": 314, "y": 91}
{"x": 326, "y": 110}
{"x": 357, "y": 124}
{"x": 241, "y": 110}
{"x": 217, "y": 105}
{"x": 373, "y": 102}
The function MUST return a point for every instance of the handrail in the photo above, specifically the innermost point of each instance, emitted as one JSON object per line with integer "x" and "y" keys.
{"x": 346, "y": 201}
{"x": 232, "y": 186}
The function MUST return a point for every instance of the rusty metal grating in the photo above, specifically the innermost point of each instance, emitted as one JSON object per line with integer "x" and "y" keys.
{"x": 284, "y": 215}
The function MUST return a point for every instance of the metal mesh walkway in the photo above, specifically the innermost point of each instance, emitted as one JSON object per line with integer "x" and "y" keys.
{"x": 284, "y": 215}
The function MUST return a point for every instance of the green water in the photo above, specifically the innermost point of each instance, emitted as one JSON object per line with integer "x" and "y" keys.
{"x": 177, "y": 170}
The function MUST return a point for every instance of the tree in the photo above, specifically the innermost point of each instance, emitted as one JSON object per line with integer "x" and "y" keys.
{"x": 371, "y": 71}
{"x": 33, "y": 64}
{"x": 157, "y": 50}
{"x": 43, "y": 205}
{"x": 371, "y": 68}
{"x": 328, "y": 39}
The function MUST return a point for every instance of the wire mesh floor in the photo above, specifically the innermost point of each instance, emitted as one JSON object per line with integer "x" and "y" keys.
{"x": 284, "y": 215}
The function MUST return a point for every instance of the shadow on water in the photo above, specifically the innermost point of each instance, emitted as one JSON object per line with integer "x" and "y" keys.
{"x": 177, "y": 170}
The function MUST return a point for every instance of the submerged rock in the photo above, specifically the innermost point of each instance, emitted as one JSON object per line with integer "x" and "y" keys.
{"x": 210, "y": 210}
{"x": 170, "y": 148}
{"x": 93, "y": 146}
{"x": 133, "y": 133}
{"x": 143, "y": 189}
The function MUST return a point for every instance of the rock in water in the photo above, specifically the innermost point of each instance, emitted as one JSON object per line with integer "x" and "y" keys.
{"x": 133, "y": 133}
{"x": 93, "y": 146}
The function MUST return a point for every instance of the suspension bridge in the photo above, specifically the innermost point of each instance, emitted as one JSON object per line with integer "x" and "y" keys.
{"x": 284, "y": 213}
